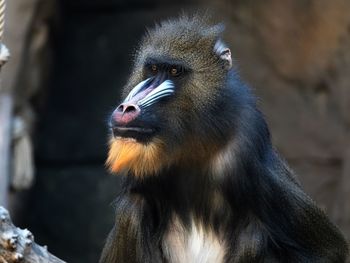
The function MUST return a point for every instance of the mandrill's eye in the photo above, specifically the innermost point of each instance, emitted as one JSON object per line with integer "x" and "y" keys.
{"x": 154, "y": 69}
{"x": 175, "y": 71}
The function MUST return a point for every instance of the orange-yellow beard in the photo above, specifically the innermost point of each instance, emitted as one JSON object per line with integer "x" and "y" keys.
{"x": 140, "y": 159}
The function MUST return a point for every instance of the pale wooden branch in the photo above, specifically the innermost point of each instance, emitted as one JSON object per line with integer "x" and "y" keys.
{"x": 17, "y": 245}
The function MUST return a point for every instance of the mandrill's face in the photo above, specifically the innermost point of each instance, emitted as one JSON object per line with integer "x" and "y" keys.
{"x": 169, "y": 102}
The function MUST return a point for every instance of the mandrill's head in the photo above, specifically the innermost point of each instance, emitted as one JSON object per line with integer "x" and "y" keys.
{"x": 174, "y": 102}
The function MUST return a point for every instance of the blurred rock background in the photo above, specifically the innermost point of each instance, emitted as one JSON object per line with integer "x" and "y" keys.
{"x": 71, "y": 58}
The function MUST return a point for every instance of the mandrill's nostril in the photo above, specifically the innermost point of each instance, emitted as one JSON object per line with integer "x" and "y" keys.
{"x": 129, "y": 108}
{"x": 120, "y": 108}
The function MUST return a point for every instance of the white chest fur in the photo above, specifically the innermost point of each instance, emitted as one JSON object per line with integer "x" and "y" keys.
{"x": 193, "y": 245}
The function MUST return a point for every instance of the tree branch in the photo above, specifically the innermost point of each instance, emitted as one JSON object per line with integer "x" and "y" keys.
{"x": 17, "y": 245}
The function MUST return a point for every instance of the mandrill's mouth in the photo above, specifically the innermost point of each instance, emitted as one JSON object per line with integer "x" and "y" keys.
{"x": 137, "y": 133}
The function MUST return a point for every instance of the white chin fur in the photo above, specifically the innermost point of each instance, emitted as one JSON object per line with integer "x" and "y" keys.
{"x": 128, "y": 139}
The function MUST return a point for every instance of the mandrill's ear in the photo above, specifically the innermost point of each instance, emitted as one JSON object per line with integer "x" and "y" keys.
{"x": 224, "y": 53}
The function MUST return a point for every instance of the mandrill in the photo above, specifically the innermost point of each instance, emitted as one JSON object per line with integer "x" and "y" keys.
{"x": 202, "y": 181}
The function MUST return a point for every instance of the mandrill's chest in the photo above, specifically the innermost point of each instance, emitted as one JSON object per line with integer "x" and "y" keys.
{"x": 192, "y": 244}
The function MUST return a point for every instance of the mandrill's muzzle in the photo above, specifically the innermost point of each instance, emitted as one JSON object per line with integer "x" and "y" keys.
{"x": 145, "y": 94}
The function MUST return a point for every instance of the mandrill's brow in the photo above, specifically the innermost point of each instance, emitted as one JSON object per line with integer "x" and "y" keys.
{"x": 166, "y": 62}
